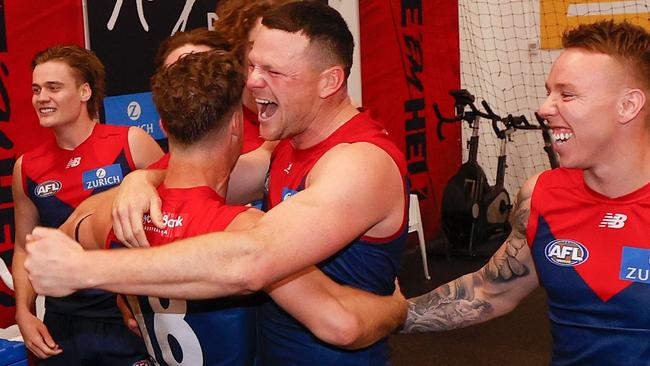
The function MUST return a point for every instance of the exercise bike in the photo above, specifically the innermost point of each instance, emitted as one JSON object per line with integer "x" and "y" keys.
{"x": 521, "y": 123}
{"x": 472, "y": 210}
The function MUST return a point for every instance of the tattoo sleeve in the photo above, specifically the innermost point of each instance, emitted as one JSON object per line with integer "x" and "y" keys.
{"x": 469, "y": 299}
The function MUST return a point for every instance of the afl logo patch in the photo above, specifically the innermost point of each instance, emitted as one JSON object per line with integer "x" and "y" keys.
{"x": 566, "y": 253}
{"x": 47, "y": 189}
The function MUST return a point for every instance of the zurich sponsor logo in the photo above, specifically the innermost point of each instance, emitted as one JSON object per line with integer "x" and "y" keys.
{"x": 566, "y": 253}
{"x": 110, "y": 175}
{"x": 635, "y": 265}
{"x": 47, "y": 188}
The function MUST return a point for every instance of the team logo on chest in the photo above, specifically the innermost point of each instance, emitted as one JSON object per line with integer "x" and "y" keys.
{"x": 566, "y": 253}
{"x": 613, "y": 220}
{"x": 73, "y": 162}
{"x": 110, "y": 175}
{"x": 47, "y": 188}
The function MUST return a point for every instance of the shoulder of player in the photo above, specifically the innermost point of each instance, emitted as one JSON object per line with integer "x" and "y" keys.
{"x": 362, "y": 156}
{"x": 17, "y": 176}
{"x": 527, "y": 188}
{"x": 359, "y": 174}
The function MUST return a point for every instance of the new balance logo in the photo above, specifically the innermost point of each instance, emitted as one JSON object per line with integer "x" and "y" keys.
{"x": 73, "y": 162}
{"x": 613, "y": 220}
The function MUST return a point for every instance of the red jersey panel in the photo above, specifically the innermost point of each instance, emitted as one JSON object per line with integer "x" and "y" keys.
{"x": 592, "y": 255}
{"x": 252, "y": 139}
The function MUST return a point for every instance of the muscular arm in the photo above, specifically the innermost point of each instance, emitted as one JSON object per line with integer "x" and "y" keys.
{"x": 144, "y": 148}
{"x": 354, "y": 189}
{"x": 247, "y": 178}
{"x": 334, "y": 313}
{"x": 36, "y": 336}
{"x": 91, "y": 222}
{"x": 340, "y": 315}
{"x": 487, "y": 293}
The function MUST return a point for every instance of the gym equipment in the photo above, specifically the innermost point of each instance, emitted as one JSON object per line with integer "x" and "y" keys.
{"x": 548, "y": 142}
{"x": 521, "y": 123}
{"x": 472, "y": 210}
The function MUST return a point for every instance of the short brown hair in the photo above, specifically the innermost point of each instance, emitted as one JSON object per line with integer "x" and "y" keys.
{"x": 198, "y": 37}
{"x": 86, "y": 67}
{"x": 627, "y": 43}
{"x": 236, "y": 18}
{"x": 198, "y": 94}
{"x": 321, "y": 24}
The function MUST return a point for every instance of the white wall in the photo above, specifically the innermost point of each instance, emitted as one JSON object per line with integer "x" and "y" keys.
{"x": 349, "y": 9}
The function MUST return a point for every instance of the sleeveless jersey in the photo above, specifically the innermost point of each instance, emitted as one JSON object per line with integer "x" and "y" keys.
{"x": 592, "y": 255}
{"x": 58, "y": 180}
{"x": 194, "y": 332}
{"x": 252, "y": 139}
{"x": 367, "y": 263}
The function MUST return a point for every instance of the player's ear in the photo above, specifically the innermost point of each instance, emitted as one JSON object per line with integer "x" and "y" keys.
{"x": 85, "y": 92}
{"x": 331, "y": 80}
{"x": 630, "y": 105}
{"x": 237, "y": 124}
{"x": 162, "y": 126}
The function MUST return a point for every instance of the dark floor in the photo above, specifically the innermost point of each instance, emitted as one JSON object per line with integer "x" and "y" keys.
{"x": 519, "y": 338}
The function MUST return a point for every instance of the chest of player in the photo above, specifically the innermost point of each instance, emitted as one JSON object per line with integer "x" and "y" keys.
{"x": 72, "y": 178}
{"x": 595, "y": 256}
{"x": 288, "y": 172}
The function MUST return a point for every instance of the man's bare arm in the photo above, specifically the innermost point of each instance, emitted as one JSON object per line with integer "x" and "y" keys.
{"x": 35, "y": 334}
{"x": 247, "y": 178}
{"x": 340, "y": 315}
{"x": 335, "y": 208}
{"x": 144, "y": 149}
{"x": 137, "y": 194}
{"x": 91, "y": 221}
{"x": 492, "y": 291}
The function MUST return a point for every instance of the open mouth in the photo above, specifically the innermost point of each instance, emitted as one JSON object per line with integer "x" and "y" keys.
{"x": 266, "y": 108}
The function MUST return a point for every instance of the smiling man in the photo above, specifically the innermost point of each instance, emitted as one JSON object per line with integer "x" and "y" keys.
{"x": 83, "y": 158}
{"x": 581, "y": 231}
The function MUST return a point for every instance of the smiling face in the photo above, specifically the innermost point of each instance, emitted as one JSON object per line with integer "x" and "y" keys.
{"x": 284, "y": 83}
{"x": 584, "y": 94}
{"x": 57, "y": 97}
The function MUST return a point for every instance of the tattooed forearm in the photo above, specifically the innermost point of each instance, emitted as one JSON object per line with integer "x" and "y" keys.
{"x": 484, "y": 294}
{"x": 452, "y": 305}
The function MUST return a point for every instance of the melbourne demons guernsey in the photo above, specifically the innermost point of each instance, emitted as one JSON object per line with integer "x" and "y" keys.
{"x": 367, "y": 263}
{"x": 194, "y": 332}
{"x": 57, "y": 180}
{"x": 252, "y": 139}
{"x": 592, "y": 255}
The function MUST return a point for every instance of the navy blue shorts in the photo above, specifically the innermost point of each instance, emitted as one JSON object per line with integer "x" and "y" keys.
{"x": 93, "y": 342}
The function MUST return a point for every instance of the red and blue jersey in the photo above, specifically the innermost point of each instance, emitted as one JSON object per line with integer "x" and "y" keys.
{"x": 194, "y": 332}
{"x": 58, "y": 180}
{"x": 592, "y": 255}
{"x": 252, "y": 139}
{"x": 367, "y": 263}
